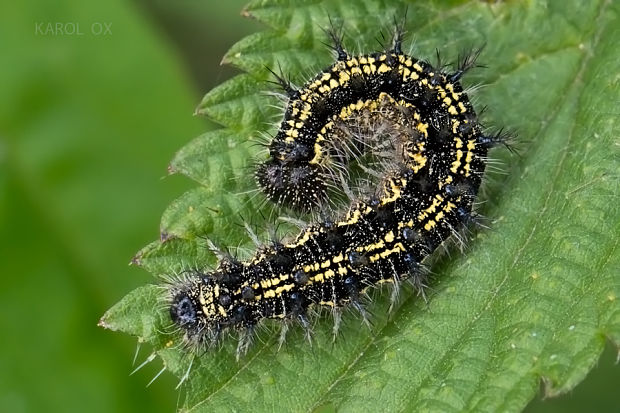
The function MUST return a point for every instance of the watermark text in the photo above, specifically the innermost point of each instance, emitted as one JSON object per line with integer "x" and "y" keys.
{"x": 72, "y": 29}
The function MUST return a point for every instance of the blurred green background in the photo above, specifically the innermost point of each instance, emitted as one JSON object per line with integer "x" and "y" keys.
{"x": 88, "y": 123}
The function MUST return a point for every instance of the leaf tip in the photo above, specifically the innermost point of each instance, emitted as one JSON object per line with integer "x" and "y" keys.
{"x": 102, "y": 323}
{"x": 246, "y": 13}
{"x": 165, "y": 236}
{"x": 136, "y": 260}
{"x": 171, "y": 169}
{"x": 549, "y": 388}
{"x": 105, "y": 323}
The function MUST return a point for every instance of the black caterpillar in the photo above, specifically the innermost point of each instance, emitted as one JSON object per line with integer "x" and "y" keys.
{"x": 436, "y": 156}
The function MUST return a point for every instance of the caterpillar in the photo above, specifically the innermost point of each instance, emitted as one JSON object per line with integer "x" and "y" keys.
{"x": 433, "y": 161}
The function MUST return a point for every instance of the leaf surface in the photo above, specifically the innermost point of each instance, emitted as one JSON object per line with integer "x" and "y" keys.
{"x": 534, "y": 298}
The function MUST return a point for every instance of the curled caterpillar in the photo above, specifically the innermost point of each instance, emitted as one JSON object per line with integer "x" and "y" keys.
{"x": 434, "y": 158}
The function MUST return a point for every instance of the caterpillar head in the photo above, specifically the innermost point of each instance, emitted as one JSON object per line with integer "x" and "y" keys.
{"x": 207, "y": 304}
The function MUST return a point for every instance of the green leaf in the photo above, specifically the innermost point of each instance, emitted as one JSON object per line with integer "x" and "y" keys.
{"x": 237, "y": 103}
{"x": 140, "y": 301}
{"x": 533, "y": 299}
{"x": 211, "y": 158}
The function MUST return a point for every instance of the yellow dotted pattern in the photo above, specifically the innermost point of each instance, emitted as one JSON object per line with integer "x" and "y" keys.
{"x": 340, "y": 76}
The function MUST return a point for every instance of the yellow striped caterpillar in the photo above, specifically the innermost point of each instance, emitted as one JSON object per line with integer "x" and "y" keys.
{"x": 417, "y": 123}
